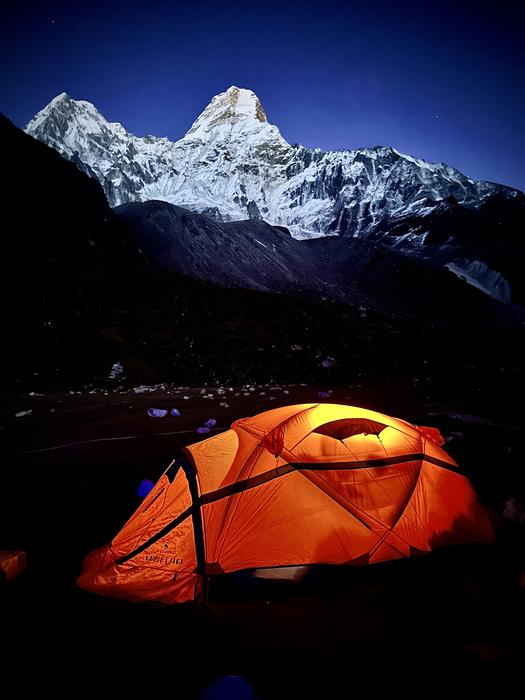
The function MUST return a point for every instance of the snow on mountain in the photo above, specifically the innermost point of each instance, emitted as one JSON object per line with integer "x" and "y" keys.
{"x": 234, "y": 165}
{"x": 479, "y": 275}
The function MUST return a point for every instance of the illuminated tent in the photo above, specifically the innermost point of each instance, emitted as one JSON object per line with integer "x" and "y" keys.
{"x": 298, "y": 485}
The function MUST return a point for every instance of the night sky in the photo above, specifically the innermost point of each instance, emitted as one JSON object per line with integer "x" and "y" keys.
{"x": 444, "y": 81}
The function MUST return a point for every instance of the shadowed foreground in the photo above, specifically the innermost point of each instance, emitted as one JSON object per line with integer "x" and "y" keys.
{"x": 455, "y": 613}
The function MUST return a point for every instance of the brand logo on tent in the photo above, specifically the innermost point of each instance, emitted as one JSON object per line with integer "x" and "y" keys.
{"x": 159, "y": 559}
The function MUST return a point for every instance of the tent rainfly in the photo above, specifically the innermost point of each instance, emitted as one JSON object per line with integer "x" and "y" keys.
{"x": 299, "y": 485}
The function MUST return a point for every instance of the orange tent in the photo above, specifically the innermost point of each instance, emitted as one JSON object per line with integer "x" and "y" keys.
{"x": 299, "y": 485}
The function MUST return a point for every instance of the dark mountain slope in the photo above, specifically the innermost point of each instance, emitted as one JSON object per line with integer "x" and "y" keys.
{"x": 492, "y": 235}
{"x": 248, "y": 254}
{"x": 254, "y": 255}
{"x": 65, "y": 258}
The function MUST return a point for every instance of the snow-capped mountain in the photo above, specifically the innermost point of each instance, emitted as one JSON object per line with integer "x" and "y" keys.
{"x": 235, "y": 165}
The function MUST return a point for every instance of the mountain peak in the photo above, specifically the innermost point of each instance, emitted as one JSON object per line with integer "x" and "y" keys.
{"x": 61, "y": 108}
{"x": 64, "y": 123}
{"x": 59, "y": 98}
{"x": 237, "y": 108}
{"x": 244, "y": 102}
{"x": 238, "y": 103}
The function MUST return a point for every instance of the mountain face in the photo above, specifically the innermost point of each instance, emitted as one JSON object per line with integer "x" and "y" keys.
{"x": 248, "y": 254}
{"x": 254, "y": 255}
{"x": 79, "y": 296}
{"x": 235, "y": 165}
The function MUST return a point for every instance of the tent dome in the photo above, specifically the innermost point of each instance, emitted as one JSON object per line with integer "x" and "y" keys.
{"x": 297, "y": 485}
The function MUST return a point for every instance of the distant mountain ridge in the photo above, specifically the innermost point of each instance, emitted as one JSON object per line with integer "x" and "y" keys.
{"x": 234, "y": 164}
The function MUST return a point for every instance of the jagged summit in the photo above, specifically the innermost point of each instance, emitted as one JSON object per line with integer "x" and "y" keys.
{"x": 232, "y": 106}
{"x": 59, "y": 98}
{"x": 65, "y": 115}
{"x": 235, "y": 113}
{"x": 57, "y": 104}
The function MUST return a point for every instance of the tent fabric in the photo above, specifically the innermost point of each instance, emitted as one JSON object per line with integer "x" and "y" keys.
{"x": 283, "y": 489}
{"x": 12, "y": 563}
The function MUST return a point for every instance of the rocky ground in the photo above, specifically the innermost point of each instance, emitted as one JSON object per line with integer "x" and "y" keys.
{"x": 70, "y": 477}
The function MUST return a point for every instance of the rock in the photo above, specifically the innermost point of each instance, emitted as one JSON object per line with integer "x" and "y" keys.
{"x": 327, "y": 362}
{"x": 157, "y": 412}
{"x": 515, "y": 510}
{"x": 116, "y": 371}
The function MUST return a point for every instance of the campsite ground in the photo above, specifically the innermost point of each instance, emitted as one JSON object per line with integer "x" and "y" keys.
{"x": 70, "y": 477}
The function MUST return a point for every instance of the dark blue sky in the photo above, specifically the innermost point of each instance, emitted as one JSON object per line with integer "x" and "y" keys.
{"x": 444, "y": 81}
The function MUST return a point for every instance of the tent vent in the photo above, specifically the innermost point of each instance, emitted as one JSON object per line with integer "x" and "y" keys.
{"x": 348, "y": 427}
